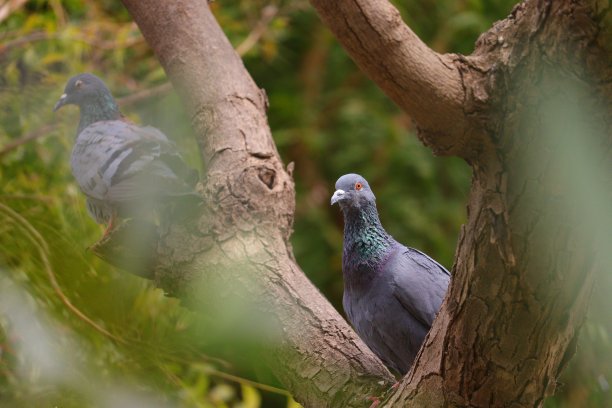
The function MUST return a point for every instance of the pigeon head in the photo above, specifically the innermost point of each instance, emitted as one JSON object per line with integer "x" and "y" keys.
{"x": 353, "y": 192}
{"x": 84, "y": 89}
{"x": 91, "y": 95}
{"x": 365, "y": 240}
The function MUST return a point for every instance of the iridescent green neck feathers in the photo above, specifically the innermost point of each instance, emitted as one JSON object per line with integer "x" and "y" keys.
{"x": 365, "y": 239}
{"x": 103, "y": 107}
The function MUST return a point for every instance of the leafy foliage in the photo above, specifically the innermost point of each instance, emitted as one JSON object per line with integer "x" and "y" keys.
{"x": 76, "y": 332}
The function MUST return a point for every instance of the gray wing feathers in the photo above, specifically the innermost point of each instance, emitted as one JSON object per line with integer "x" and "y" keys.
{"x": 420, "y": 283}
{"x": 384, "y": 323}
{"x": 117, "y": 161}
{"x": 425, "y": 260}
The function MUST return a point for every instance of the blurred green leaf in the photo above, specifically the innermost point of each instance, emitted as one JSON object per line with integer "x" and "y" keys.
{"x": 250, "y": 397}
{"x": 291, "y": 403}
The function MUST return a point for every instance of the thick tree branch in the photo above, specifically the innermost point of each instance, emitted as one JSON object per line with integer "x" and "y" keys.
{"x": 238, "y": 253}
{"x": 425, "y": 84}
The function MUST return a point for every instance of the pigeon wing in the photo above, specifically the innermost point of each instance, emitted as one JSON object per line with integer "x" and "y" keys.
{"x": 419, "y": 283}
{"x": 115, "y": 161}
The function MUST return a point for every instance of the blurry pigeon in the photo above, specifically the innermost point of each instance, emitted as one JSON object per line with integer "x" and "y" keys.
{"x": 123, "y": 169}
{"x": 392, "y": 293}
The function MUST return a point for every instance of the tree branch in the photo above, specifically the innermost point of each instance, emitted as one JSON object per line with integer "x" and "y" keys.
{"x": 238, "y": 252}
{"x": 267, "y": 15}
{"x": 426, "y": 85}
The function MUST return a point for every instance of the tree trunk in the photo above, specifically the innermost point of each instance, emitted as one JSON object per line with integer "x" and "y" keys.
{"x": 525, "y": 261}
{"x": 236, "y": 262}
{"x": 527, "y": 258}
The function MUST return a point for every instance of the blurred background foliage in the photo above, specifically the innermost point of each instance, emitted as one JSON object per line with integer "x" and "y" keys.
{"x": 76, "y": 332}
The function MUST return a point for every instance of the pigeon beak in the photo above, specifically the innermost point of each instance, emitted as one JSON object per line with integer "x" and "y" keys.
{"x": 61, "y": 102}
{"x": 338, "y": 195}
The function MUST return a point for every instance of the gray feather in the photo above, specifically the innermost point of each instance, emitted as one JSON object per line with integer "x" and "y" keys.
{"x": 122, "y": 168}
{"x": 117, "y": 163}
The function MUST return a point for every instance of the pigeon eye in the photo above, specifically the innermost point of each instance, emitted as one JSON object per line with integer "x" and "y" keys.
{"x": 358, "y": 186}
{"x": 78, "y": 84}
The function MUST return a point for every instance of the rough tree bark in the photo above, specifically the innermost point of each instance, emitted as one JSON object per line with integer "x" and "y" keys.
{"x": 521, "y": 279}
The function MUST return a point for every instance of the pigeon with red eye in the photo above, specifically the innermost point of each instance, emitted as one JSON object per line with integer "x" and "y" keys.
{"x": 392, "y": 293}
{"x": 123, "y": 169}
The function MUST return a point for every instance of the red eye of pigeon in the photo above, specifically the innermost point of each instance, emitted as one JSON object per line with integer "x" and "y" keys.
{"x": 358, "y": 186}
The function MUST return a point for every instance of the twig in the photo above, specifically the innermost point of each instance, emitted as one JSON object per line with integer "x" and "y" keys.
{"x": 35, "y": 134}
{"x": 43, "y": 36}
{"x": 124, "y": 101}
{"x": 43, "y": 249}
{"x": 145, "y": 94}
{"x": 60, "y": 13}
{"x": 233, "y": 378}
{"x": 33, "y": 37}
{"x": 267, "y": 14}
{"x": 37, "y": 197}
{"x": 240, "y": 380}
{"x": 9, "y": 7}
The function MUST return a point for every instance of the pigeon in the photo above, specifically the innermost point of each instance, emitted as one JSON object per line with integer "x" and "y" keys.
{"x": 123, "y": 169}
{"x": 392, "y": 293}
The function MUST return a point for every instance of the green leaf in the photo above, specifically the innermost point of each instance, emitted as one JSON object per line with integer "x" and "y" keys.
{"x": 291, "y": 403}
{"x": 250, "y": 397}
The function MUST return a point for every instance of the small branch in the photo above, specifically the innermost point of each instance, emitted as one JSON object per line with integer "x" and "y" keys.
{"x": 37, "y": 197}
{"x": 44, "y": 36}
{"x": 35, "y": 134}
{"x": 9, "y": 8}
{"x": 33, "y": 37}
{"x": 48, "y": 128}
{"x": 145, "y": 94}
{"x": 43, "y": 250}
{"x": 427, "y": 85}
{"x": 245, "y": 381}
{"x": 267, "y": 15}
